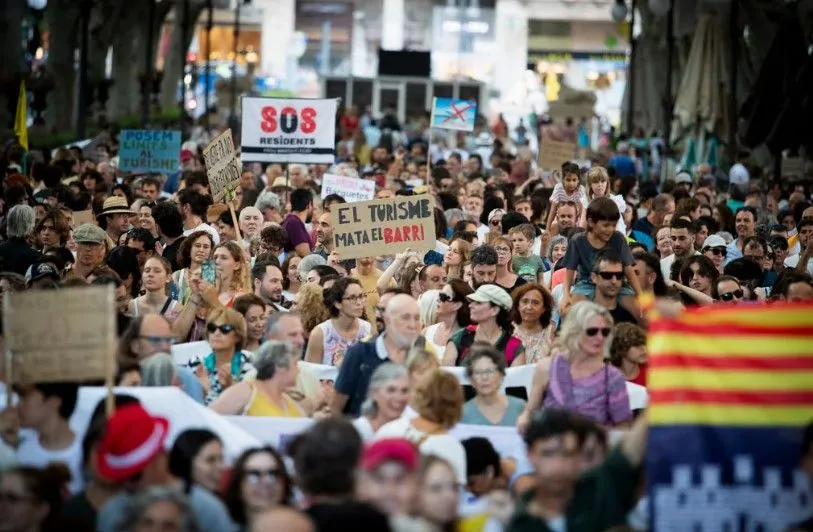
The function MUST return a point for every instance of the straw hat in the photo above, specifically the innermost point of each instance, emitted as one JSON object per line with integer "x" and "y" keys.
{"x": 115, "y": 205}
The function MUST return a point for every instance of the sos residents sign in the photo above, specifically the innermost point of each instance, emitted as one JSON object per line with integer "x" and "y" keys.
{"x": 288, "y": 130}
{"x": 383, "y": 227}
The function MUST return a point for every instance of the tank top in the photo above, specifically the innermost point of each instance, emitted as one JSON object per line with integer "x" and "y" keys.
{"x": 260, "y": 405}
{"x": 334, "y": 345}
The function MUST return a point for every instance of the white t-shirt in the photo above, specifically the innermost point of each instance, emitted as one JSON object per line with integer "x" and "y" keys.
{"x": 793, "y": 261}
{"x": 205, "y": 227}
{"x": 364, "y": 428}
{"x": 31, "y": 453}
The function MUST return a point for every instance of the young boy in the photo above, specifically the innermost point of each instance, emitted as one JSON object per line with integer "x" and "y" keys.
{"x": 602, "y": 215}
{"x": 530, "y": 267}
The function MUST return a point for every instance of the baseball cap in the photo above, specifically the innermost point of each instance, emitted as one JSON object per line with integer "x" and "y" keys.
{"x": 714, "y": 241}
{"x": 683, "y": 177}
{"x": 132, "y": 440}
{"x": 43, "y": 270}
{"x": 89, "y": 234}
{"x": 389, "y": 450}
{"x": 491, "y": 293}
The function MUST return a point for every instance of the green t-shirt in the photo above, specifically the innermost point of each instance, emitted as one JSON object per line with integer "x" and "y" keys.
{"x": 602, "y": 498}
{"x": 529, "y": 268}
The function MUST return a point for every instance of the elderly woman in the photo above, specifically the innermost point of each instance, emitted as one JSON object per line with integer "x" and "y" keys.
{"x": 159, "y": 370}
{"x": 158, "y": 504}
{"x": 387, "y": 397}
{"x": 577, "y": 377}
{"x": 438, "y": 401}
{"x": 485, "y": 368}
{"x": 277, "y": 369}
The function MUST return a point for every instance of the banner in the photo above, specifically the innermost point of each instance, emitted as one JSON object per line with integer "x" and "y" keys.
{"x": 350, "y": 188}
{"x": 383, "y": 227}
{"x": 448, "y": 113}
{"x": 143, "y": 151}
{"x": 222, "y": 166}
{"x": 731, "y": 389}
{"x": 554, "y": 153}
{"x": 277, "y": 130}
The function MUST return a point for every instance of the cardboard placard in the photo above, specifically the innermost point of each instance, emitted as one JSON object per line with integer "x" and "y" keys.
{"x": 222, "y": 166}
{"x": 66, "y": 335}
{"x": 350, "y": 188}
{"x": 289, "y": 130}
{"x": 83, "y": 217}
{"x": 383, "y": 227}
{"x": 143, "y": 151}
{"x": 793, "y": 167}
{"x": 554, "y": 153}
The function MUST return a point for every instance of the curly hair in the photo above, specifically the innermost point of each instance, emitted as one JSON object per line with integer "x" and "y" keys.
{"x": 185, "y": 250}
{"x": 625, "y": 337}
{"x": 439, "y": 399}
{"x": 547, "y": 302}
{"x": 311, "y": 306}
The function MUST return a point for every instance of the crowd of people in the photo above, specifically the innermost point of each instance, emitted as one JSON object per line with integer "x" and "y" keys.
{"x": 528, "y": 269}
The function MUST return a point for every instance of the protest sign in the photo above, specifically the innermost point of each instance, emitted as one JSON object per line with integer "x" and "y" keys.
{"x": 730, "y": 394}
{"x": 66, "y": 335}
{"x": 350, "y": 188}
{"x": 143, "y": 151}
{"x": 383, "y": 227}
{"x": 286, "y": 130}
{"x": 458, "y": 115}
{"x": 83, "y": 217}
{"x": 553, "y": 153}
{"x": 793, "y": 167}
{"x": 222, "y": 166}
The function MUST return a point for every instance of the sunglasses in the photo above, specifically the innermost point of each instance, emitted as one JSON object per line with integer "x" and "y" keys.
{"x": 495, "y": 222}
{"x": 717, "y": 251}
{"x": 224, "y": 328}
{"x": 731, "y": 296}
{"x": 611, "y": 275}
{"x": 443, "y": 297}
{"x": 592, "y": 331}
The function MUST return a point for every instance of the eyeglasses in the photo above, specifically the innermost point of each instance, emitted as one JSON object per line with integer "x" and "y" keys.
{"x": 592, "y": 331}
{"x": 484, "y": 373}
{"x": 254, "y": 476}
{"x": 224, "y": 328}
{"x": 354, "y": 299}
{"x": 443, "y": 297}
{"x": 502, "y": 250}
{"x": 611, "y": 275}
{"x": 717, "y": 251}
{"x": 731, "y": 296}
{"x": 158, "y": 340}
{"x": 379, "y": 310}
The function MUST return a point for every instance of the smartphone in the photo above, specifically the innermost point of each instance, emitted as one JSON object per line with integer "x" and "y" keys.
{"x": 208, "y": 272}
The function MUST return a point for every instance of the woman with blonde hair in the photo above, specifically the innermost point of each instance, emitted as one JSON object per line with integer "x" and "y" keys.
{"x": 428, "y": 305}
{"x": 577, "y": 376}
{"x": 438, "y": 400}
{"x": 456, "y": 257}
{"x": 232, "y": 270}
{"x": 310, "y": 304}
{"x": 598, "y": 186}
{"x": 419, "y": 363}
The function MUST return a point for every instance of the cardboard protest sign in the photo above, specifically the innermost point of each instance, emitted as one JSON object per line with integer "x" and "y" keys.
{"x": 383, "y": 227}
{"x": 554, "y": 153}
{"x": 458, "y": 115}
{"x": 222, "y": 166}
{"x": 286, "y": 130}
{"x": 66, "y": 335}
{"x": 143, "y": 151}
{"x": 83, "y": 217}
{"x": 793, "y": 167}
{"x": 350, "y": 188}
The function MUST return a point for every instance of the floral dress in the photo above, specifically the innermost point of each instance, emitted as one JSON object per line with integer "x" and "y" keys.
{"x": 204, "y": 368}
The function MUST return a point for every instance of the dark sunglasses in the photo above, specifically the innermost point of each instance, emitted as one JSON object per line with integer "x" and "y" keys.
{"x": 717, "y": 251}
{"x": 730, "y": 296}
{"x": 592, "y": 331}
{"x": 495, "y": 222}
{"x": 443, "y": 297}
{"x": 224, "y": 328}
{"x": 611, "y": 275}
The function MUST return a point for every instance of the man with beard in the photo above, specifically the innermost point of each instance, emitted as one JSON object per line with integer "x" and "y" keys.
{"x": 402, "y": 322}
{"x": 682, "y": 234}
{"x": 267, "y": 277}
{"x": 324, "y": 236}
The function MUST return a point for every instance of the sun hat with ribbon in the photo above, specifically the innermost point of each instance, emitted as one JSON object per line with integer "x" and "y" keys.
{"x": 132, "y": 440}
{"x": 115, "y": 205}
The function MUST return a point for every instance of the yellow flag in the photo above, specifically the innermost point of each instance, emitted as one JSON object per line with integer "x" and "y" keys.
{"x": 21, "y": 118}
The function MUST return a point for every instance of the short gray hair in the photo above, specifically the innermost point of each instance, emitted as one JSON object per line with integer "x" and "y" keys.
{"x": 308, "y": 263}
{"x": 272, "y": 324}
{"x": 272, "y": 355}
{"x": 157, "y": 370}
{"x": 138, "y": 504}
{"x": 267, "y": 200}
{"x": 20, "y": 221}
{"x": 383, "y": 374}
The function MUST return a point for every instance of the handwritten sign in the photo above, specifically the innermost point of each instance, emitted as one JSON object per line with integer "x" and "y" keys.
{"x": 222, "y": 166}
{"x": 350, "y": 188}
{"x": 383, "y": 227}
{"x": 143, "y": 151}
{"x": 66, "y": 335}
{"x": 553, "y": 153}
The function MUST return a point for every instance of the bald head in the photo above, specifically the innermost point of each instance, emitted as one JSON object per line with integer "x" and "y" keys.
{"x": 282, "y": 519}
{"x": 402, "y": 318}
{"x": 400, "y": 302}
{"x": 157, "y": 329}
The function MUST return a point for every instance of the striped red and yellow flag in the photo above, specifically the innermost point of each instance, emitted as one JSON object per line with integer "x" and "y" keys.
{"x": 732, "y": 365}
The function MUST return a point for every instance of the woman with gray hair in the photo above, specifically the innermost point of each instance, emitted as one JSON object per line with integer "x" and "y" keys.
{"x": 308, "y": 263}
{"x": 387, "y": 397}
{"x": 159, "y": 370}
{"x": 15, "y": 254}
{"x": 577, "y": 376}
{"x": 277, "y": 369}
{"x": 158, "y": 504}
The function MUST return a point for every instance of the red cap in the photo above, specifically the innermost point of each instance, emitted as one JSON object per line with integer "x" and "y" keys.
{"x": 389, "y": 450}
{"x": 132, "y": 439}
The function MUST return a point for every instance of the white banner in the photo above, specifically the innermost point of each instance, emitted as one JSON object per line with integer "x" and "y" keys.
{"x": 350, "y": 188}
{"x": 277, "y": 130}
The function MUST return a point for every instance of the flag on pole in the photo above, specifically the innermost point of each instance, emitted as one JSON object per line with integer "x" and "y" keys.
{"x": 731, "y": 390}
{"x": 21, "y": 117}
{"x": 458, "y": 115}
